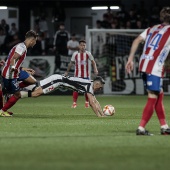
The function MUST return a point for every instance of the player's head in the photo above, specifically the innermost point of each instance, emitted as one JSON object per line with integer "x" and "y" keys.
{"x": 62, "y": 26}
{"x": 82, "y": 45}
{"x": 98, "y": 83}
{"x": 31, "y": 38}
{"x": 165, "y": 15}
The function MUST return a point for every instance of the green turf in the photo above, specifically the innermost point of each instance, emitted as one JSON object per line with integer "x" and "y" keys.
{"x": 45, "y": 134}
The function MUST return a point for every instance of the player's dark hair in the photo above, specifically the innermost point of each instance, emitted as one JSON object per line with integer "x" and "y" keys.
{"x": 99, "y": 78}
{"x": 82, "y": 41}
{"x": 30, "y": 34}
{"x": 165, "y": 14}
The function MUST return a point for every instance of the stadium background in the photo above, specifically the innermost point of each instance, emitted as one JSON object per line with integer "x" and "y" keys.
{"x": 77, "y": 15}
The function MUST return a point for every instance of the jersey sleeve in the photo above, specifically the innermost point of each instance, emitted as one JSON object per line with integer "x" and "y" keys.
{"x": 144, "y": 34}
{"x": 73, "y": 57}
{"x": 20, "y": 49}
{"x": 90, "y": 56}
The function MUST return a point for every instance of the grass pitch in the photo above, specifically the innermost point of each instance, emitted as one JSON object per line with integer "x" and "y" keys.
{"x": 47, "y": 134}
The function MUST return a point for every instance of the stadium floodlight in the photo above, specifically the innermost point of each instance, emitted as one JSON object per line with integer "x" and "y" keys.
{"x": 99, "y": 7}
{"x": 3, "y": 7}
{"x": 114, "y": 7}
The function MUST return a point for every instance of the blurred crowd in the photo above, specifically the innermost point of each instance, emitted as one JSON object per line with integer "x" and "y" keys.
{"x": 135, "y": 18}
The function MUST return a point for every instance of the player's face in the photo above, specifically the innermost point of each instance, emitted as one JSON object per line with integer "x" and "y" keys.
{"x": 82, "y": 46}
{"x": 33, "y": 41}
{"x": 97, "y": 86}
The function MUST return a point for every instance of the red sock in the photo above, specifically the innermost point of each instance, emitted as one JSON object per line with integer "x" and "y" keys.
{"x": 75, "y": 96}
{"x": 1, "y": 100}
{"x": 23, "y": 84}
{"x": 12, "y": 100}
{"x": 87, "y": 100}
{"x": 148, "y": 111}
{"x": 160, "y": 111}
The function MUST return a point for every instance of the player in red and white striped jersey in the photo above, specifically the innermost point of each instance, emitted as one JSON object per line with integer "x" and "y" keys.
{"x": 83, "y": 60}
{"x": 12, "y": 68}
{"x": 155, "y": 51}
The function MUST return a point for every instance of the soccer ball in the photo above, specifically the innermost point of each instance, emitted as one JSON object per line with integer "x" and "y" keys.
{"x": 108, "y": 110}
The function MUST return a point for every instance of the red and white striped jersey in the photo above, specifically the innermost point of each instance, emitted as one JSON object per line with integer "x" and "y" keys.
{"x": 156, "y": 49}
{"x": 82, "y": 64}
{"x": 21, "y": 49}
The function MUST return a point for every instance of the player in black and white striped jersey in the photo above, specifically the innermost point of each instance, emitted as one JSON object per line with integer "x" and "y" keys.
{"x": 81, "y": 85}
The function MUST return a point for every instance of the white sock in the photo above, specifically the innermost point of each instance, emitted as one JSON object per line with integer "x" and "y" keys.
{"x": 24, "y": 94}
{"x": 141, "y": 128}
{"x": 165, "y": 126}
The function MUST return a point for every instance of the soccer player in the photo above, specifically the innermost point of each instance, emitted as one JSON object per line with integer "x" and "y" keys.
{"x": 151, "y": 66}
{"x": 12, "y": 69}
{"x": 25, "y": 79}
{"x": 82, "y": 60}
{"x": 56, "y": 81}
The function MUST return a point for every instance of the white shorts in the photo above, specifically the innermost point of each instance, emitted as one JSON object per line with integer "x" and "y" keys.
{"x": 53, "y": 83}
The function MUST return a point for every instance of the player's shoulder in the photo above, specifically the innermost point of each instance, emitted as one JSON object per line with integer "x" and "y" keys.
{"x": 21, "y": 45}
{"x": 75, "y": 53}
{"x": 88, "y": 52}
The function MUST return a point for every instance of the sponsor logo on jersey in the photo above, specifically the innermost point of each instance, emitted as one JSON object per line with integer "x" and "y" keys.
{"x": 162, "y": 56}
{"x": 149, "y": 83}
{"x": 147, "y": 57}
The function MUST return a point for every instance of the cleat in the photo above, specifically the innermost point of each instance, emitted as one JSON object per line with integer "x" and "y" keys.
{"x": 5, "y": 114}
{"x": 145, "y": 132}
{"x": 86, "y": 104}
{"x": 165, "y": 131}
{"x": 11, "y": 113}
{"x": 74, "y": 105}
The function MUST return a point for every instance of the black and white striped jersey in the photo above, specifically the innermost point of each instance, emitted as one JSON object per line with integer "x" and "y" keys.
{"x": 57, "y": 81}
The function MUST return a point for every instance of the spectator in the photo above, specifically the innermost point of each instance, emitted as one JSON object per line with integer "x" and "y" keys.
{"x": 105, "y": 22}
{"x": 43, "y": 26}
{"x": 2, "y": 37}
{"x": 15, "y": 40}
{"x": 13, "y": 29}
{"x": 132, "y": 19}
{"x": 122, "y": 15}
{"x": 5, "y": 26}
{"x": 72, "y": 44}
{"x": 98, "y": 40}
{"x": 61, "y": 38}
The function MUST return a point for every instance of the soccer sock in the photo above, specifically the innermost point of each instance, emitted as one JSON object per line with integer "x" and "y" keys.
{"x": 75, "y": 96}
{"x": 23, "y": 84}
{"x": 1, "y": 100}
{"x": 87, "y": 100}
{"x": 160, "y": 111}
{"x": 148, "y": 111}
{"x": 12, "y": 100}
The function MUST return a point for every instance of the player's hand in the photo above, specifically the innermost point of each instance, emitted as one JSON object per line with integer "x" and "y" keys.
{"x": 96, "y": 72}
{"x": 14, "y": 70}
{"x": 129, "y": 67}
{"x": 66, "y": 73}
{"x": 2, "y": 63}
{"x": 30, "y": 71}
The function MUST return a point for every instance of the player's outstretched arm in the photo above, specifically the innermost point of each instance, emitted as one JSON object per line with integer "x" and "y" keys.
{"x": 134, "y": 47}
{"x": 95, "y": 105}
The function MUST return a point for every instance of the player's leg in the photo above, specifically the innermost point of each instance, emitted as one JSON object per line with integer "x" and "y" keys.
{"x": 86, "y": 101}
{"x": 153, "y": 86}
{"x": 1, "y": 98}
{"x": 26, "y": 79}
{"x": 75, "y": 97}
{"x": 13, "y": 88}
{"x": 160, "y": 111}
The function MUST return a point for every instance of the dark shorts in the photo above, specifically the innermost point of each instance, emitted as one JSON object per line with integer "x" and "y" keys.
{"x": 12, "y": 85}
{"x": 152, "y": 82}
{"x": 23, "y": 75}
